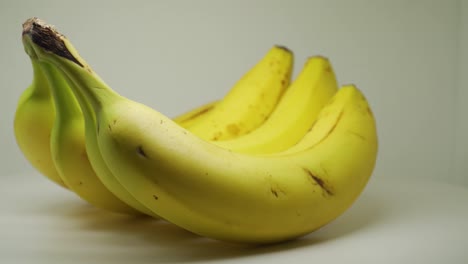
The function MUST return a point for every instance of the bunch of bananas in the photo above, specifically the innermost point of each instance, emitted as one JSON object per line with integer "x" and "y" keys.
{"x": 273, "y": 160}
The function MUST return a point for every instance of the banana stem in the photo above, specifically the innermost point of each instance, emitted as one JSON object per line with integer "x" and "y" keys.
{"x": 65, "y": 102}
{"x": 52, "y": 47}
{"x": 40, "y": 83}
{"x": 88, "y": 112}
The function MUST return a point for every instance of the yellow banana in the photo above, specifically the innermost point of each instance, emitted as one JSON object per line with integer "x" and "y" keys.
{"x": 234, "y": 197}
{"x": 67, "y": 144}
{"x": 33, "y": 122}
{"x": 295, "y": 113}
{"x": 249, "y": 102}
{"x": 36, "y": 112}
{"x": 252, "y": 99}
{"x": 34, "y": 119}
{"x": 216, "y": 192}
{"x": 69, "y": 135}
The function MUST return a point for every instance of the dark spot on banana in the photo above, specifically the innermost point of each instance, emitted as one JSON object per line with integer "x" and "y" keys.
{"x": 284, "y": 82}
{"x": 155, "y": 197}
{"x": 141, "y": 152}
{"x": 274, "y": 192}
{"x": 98, "y": 128}
{"x": 80, "y": 183}
{"x": 233, "y": 129}
{"x": 217, "y": 135}
{"x": 114, "y": 121}
{"x": 369, "y": 111}
{"x": 357, "y": 135}
{"x": 320, "y": 182}
{"x": 161, "y": 122}
{"x": 109, "y": 126}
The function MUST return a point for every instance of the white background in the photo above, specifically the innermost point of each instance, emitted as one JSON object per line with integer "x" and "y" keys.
{"x": 411, "y": 222}
{"x": 408, "y": 57}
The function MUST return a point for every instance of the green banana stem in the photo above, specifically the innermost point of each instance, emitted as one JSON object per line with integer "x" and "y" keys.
{"x": 87, "y": 110}
{"x": 65, "y": 102}
{"x": 40, "y": 84}
{"x": 86, "y": 106}
{"x": 93, "y": 89}
{"x": 29, "y": 34}
{"x": 50, "y": 46}
{"x": 89, "y": 88}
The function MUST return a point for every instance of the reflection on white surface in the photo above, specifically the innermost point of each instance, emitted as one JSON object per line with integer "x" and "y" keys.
{"x": 394, "y": 221}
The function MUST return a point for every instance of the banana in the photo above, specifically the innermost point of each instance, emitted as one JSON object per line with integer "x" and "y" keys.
{"x": 67, "y": 144}
{"x": 328, "y": 117}
{"x": 35, "y": 110}
{"x": 252, "y": 99}
{"x": 219, "y": 193}
{"x": 34, "y": 119}
{"x": 33, "y": 122}
{"x": 72, "y": 134}
{"x": 295, "y": 113}
{"x": 249, "y": 102}
{"x": 68, "y": 134}
{"x": 241, "y": 198}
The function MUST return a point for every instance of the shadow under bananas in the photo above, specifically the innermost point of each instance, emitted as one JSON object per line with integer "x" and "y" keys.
{"x": 146, "y": 240}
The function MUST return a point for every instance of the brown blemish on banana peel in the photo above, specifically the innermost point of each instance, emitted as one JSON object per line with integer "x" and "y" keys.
{"x": 320, "y": 182}
{"x": 141, "y": 152}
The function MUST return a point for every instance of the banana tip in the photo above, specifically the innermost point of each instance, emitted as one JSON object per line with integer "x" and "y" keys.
{"x": 48, "y": 38}
{"x": 283, "y": 48}
{"x": 34, "y": 23}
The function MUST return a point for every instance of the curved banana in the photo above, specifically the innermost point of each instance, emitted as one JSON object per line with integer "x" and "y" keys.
{"x": 37, "y": 149}
{"x": 36, "y": 112}
{"x": 252, "y": 99}
{"x": 33, "y": 122}
{"x": 67, "y": 144}
{"x": 73, "y": 135}
{"x": 216, "y": 192}
{"x": 89, "y": 133}
{"x": 295, "y": 113}
{"x": 228, "y": 196}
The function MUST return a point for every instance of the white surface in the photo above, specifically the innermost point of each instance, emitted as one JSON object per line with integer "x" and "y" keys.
{"x": 394, "y": 221}
{"x": 174, "y": 55}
